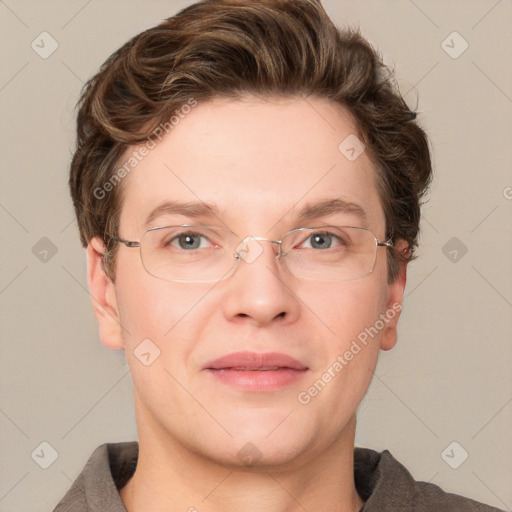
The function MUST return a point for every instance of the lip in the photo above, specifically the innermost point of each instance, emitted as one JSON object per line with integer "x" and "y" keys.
{"x": 255, "y": 361}
{"x": 251, "y": 371}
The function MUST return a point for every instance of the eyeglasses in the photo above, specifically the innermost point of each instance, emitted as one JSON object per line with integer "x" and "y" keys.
{"x": 203, "y": 254}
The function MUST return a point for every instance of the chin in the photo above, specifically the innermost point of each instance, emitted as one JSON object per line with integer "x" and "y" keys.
{"x": 262, "y": 455}
{"x": 262, "y": 443}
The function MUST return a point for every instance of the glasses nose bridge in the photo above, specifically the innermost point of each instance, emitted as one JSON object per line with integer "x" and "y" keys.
{"x": 243, "y": 252}
{"x": 263, "y": 239}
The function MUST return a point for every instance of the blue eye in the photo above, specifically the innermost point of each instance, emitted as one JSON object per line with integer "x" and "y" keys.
{"x": 188, "y": 240}
{"x": 323, "y": 240}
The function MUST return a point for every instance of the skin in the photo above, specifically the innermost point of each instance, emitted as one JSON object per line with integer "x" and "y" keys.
{"x": 260, "y": 161}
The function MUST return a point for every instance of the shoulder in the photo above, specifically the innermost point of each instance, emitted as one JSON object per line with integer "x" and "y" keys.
{"x": 97, "y": 486}
{"x": 386, "y": 485}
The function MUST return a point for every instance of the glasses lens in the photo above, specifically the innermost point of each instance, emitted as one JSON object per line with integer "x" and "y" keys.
{"x": 189, "y": 253}
{"x": 330, "y": 253}
{"x": 197, "y": 253}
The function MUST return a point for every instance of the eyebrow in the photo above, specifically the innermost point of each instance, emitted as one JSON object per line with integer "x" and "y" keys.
{"x": 330, "y": 207}
{"x": 210, "y": 210}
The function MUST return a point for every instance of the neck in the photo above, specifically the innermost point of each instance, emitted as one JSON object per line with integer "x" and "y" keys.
{"x": 169, "y": 476}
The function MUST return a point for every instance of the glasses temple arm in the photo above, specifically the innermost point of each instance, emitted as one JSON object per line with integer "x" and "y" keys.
{"x": 128, "y": 243}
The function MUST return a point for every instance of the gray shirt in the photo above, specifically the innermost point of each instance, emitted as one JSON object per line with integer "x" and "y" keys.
{"x": 381, "y": 481}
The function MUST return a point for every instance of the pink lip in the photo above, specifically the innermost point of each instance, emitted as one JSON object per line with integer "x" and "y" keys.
{"x": 254, "y": 361}
{"x": 251, "y": 371}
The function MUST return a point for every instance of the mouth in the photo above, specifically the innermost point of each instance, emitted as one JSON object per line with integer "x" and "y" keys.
{"x": 246, "y": 369}
{"x": 250, "y": 371}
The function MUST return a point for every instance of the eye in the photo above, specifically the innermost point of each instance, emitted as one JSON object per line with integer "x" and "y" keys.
{"x": 189, "y": 240}
{"x": 323, "y": 240}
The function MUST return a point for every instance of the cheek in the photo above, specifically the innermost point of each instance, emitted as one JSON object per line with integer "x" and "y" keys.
{"x": 348, "y": 308}
{"x": 348, "y": 354}
{"x": 141, "y": 311}
{"x": 161, "y": 324}
{"x": 346, "y": 359}
{"x": 156, "y": 309}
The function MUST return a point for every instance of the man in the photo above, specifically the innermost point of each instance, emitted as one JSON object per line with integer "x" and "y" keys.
{"x": 247, "y": 184}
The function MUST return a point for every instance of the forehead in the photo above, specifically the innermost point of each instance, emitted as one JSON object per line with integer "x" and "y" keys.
{"x": 254, "y": 163}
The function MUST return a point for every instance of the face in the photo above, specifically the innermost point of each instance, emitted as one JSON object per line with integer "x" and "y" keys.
{"x": 260, "y": 163}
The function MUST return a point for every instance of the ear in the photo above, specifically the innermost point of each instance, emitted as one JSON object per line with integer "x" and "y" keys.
{"x": 103, "y": 295}
{"x": 394, "y": 302}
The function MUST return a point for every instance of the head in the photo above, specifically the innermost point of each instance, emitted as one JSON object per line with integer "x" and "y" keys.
{"x": 247, "y": 106}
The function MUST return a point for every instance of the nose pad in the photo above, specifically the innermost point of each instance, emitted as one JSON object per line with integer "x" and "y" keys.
{"x": 249, "y": 249}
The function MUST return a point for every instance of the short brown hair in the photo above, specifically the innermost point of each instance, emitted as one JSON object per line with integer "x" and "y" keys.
{"x": 228, "y": 48}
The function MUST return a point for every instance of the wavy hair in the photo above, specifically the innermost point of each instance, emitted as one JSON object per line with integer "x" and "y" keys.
{"x": 229, "y": 48}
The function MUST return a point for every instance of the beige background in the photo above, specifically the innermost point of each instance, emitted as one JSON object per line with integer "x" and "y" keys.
{"x": 449, "y": 378}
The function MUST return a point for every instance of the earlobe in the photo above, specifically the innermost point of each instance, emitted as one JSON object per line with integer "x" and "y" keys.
{"x": 103, "y": 296}
{"x": 394, "y": 306}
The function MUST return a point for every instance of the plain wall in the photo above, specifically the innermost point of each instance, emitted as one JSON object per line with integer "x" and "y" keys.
{"x": 449, "y": 377}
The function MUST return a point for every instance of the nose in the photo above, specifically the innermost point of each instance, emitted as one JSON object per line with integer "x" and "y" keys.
{"x": 261, "y": 287}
